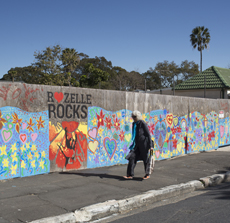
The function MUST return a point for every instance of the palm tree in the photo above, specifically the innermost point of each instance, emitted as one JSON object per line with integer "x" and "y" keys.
{"x": 200, "y": 38}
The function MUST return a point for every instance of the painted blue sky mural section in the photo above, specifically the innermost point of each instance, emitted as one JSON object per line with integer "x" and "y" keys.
{"x": 24, "y": 143}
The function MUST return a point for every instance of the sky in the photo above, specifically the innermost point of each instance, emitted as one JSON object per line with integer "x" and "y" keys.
{"x": 132, "y": 34}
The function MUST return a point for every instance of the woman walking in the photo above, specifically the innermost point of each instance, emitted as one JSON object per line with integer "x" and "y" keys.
{"x": 141, "y": 143}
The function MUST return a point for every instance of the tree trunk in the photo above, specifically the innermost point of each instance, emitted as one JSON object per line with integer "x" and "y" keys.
{"x": 200, "y": 61}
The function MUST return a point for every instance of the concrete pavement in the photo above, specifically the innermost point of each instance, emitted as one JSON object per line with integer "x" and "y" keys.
{"x": 84, "y": 195}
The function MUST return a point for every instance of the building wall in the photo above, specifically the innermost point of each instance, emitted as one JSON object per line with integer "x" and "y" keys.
{"x": 50, "y": 128}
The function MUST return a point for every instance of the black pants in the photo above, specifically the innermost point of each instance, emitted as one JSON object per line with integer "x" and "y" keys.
{"x": 132, "y": 163}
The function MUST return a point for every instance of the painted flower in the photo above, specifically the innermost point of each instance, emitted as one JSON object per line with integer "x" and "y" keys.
{"x": 3, "y": 150}
{"x": 5, "y": 162}
{"x": 151, "y": 128}
{"x": 2, "y": 120}
{"x": 16, "y": 121}
{"x": 100, "y": 119}
{"x": 13, "y": 147}
{"x": 30, "y": 125}
{"x": 108, "y": 123}
{"x": 40, "y": 123}
{"x": 33, "y": 163}
{"x": 23, "y": 165}
{"x": 41, "y": 164}
{"x": 116, "y": 123}
{"x": 122, "y": 136}
{"x": 13, "y": 169}
{"x": 94, "y": 121}
{"x": 43, "y": 154}
{"x": 175, "y": 143}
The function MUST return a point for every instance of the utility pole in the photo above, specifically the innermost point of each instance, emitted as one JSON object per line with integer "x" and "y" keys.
{"x": 204, "y": 86}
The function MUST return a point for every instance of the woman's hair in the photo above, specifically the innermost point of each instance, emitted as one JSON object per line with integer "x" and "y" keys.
{"x": 137, "y": 114}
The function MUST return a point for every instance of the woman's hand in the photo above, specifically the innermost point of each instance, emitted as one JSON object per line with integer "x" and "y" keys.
{"x": 151, "y": 148}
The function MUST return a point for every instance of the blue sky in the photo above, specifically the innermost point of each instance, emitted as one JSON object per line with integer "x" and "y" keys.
{"x": 132, "y": 34}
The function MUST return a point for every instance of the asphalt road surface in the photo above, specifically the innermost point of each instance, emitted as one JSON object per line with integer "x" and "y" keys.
{"x": 211, "y": 205}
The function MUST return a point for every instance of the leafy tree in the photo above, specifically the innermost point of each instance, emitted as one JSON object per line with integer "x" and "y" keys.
{"x": 70, "y": 60}
{"x": 188, "y": 69}
{"x": 200, "y": 39}
{"x": 153, "y": 80}
{"x": 93, "y": 77}
{"x": 167, "y": 73}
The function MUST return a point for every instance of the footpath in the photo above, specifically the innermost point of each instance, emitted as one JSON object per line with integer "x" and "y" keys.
{"x": 86, "y": 195}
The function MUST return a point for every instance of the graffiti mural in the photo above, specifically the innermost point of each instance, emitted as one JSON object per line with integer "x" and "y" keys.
{"x": 24, "y": 143}
{"x": 68, "y": 145}
{"x": 109, "y": 135}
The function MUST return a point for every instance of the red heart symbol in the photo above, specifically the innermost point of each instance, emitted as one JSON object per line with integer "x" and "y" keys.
{"x": 58, "y": 96}
{"x": 23, "y": 137}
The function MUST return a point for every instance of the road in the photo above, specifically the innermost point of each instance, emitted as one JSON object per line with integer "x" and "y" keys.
{"x": 210, "y": 205}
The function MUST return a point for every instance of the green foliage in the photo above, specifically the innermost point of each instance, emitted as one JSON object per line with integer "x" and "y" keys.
{"x": 94, "y": 76}
{"x": 67, "y": 67}
{"x": 200, "y": 39}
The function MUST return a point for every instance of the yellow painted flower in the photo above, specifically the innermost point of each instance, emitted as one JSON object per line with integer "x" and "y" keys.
{"x": 14, "y": 158}
{"x": 23, "y": 165}
{"x": 122, "y": 121}
{"x": 36, "y": 155}
{"x": 28, "y": 145}
{"x": 33, "y": 163}
{"x": 5, "y": 162}
{"x": 41, "y": 164}
{"x": 30, "y": 156}
{"x": 127, "y": 118}
{"x": 144, "y": 116}
{"x": 3, "y": 150}
{"x": 13, "y": 147}
{"x": 23, "y": 148}
{"x": 13, "y": 169}
{"x": 43, "y": 154}
{"x": 155, "y": 118}
{"x": 94, "y": 121}
{"x": 34, "y": 148}
{"x": 118, "y": 114}
{"x": 100, "y": 131}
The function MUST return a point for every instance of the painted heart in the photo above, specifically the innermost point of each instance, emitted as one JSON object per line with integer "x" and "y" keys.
{"x": 6, "y": 135}
{"x": 221, "y": 131}
{"x": 128, "y": 137}
{"x": 179, "y": 147}
{"x": 23, "y": 138}
{"x": 157, "y": 153}
{"x": 226, "y": 129}
{"x": 110, "y": 146}
{"x": 93, "y": 146}
{"x": 34, "y": 136}
{"x": 93, "y": 133}
{"x": 58, "y": 96}
{"x": 175, "y": 120}
{"x": 10, "y": 125}
{"x": 169, "y": 119}
{"x": 8, "y": 117}
{"x": 24, "y": 125}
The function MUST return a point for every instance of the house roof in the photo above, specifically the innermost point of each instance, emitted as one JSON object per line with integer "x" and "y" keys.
{"x": 216, "y": 77}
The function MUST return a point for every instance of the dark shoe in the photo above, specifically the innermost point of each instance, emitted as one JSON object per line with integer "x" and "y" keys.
{"x": 146, "y": 177}
{"x": 128, "y": 178}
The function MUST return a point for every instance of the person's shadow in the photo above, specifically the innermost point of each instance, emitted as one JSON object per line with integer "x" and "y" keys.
{"x": 102, "y": 175}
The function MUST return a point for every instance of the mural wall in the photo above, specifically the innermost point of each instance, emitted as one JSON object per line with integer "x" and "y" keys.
{"x": 44, "y": 128}
{"x": 24, "y": 143}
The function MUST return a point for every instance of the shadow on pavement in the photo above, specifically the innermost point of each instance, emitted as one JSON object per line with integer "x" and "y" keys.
{"x": 224, "y": 171}
{"x": 102, "y": 175}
